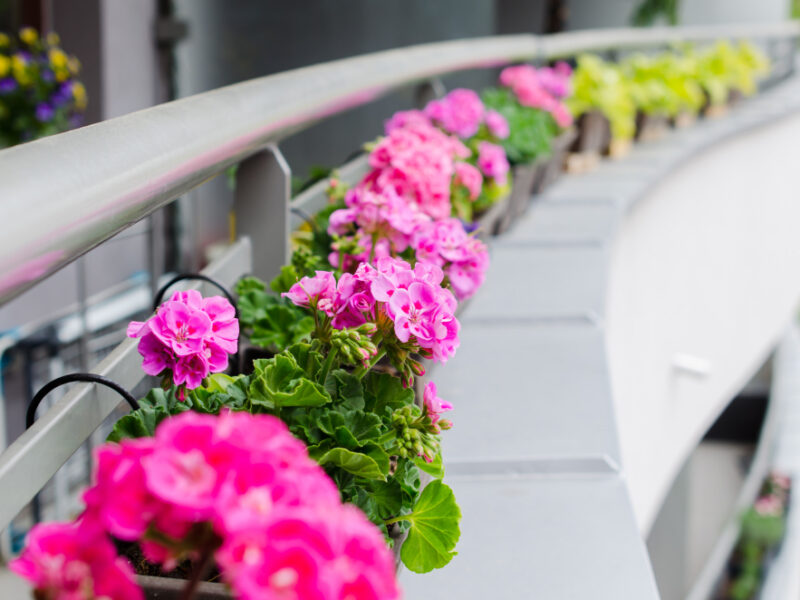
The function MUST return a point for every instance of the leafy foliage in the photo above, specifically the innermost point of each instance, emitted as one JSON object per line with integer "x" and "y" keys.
{"x": 531, "y": 130}
{"x": 271, "y": 322}
{"x": 434, "y": 529}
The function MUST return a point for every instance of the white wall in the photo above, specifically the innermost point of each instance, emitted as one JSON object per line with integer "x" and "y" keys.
{"x": 708, "y": 265}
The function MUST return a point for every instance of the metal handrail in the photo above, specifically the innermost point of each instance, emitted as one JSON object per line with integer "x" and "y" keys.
{"x": 65, "y": 194}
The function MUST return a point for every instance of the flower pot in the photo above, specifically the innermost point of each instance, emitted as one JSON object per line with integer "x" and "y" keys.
{"x": 592, "y": 140}
{"x": 490, "y": 222}
{"x": 619, "y": 148}
{"x": 552, "y": 168}
{"x": 523, "y": 179}
{"x": 650, "y": 127}
{"x": 683, "y": 120}
{"x": 166, "y": 588}
{"x": 735, "y": 96}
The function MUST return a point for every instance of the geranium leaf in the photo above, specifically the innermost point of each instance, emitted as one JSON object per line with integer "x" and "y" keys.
{"x": 279, "y": 381}
{"x": 435, "y": 469}
{"x": 353, "y": 462}
{"x": 434, "y": 529}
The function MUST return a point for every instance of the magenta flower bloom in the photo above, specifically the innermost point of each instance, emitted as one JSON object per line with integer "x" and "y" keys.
{"x": 469, "y": 177}
{"x": 492, "y": 160}
{"x": 460, "y": 112}
{"x": 497, "y": 124}
{"x": 74, "y": 561}
{"x": 406, "y": 118}
{"x": 309, "y": 291}
{"x": 190, "y": 336}
{"x": 435, "y": 406}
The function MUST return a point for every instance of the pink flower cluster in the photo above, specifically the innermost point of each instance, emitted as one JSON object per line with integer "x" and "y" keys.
{"x": 492, "y": 161}
{"x": 416, "y": 164}
{"x": 543, "y": 88}
{"x": 75, "y": 561}
{"x": 248, "y": 489}
{"x": 420, "y": 309}
{"x": 435, "y": 406}
{"x": 189, "y": 335}
{"x": 462, "y": 257}
{"x": 462, "y": 113}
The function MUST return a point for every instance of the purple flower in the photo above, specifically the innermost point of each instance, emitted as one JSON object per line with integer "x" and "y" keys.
{"x": 7, "y": 85}
{"x": 47, "y": 75}
{"x": 44, "y": 112}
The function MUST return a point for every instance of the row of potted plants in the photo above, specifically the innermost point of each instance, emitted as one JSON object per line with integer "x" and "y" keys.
{"x": 292, "y": 446}
{"x": 763, "y": 526}
{"x": 638, "y": 97}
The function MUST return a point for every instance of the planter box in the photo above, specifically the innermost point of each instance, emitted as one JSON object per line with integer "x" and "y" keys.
{"x": 651, "y": 127}
{"x": 165, "y": 588}
{"x": 552, "y": 169}
{"x": 592, "y": 140}
{"x": 683, "y": 120}
{"x": 619, "y": 148}
{"x": 491, "y": 222}
{"x": 523, "y": 179}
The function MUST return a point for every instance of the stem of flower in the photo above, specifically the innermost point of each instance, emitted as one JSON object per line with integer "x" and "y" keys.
{"x": 326, "y": 366}
{"x": 397, "y": 519}
{"x": 201, "y": 568}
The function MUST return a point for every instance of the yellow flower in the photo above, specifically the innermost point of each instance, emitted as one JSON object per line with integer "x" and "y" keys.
{"x": 28, "y": 35}
{"x": 79, "y": 93}
{"x": 74, "y": 65}
{"x": 4, "y": 40}
{"x": 19, "y": 67}
{"x": 5, "y": 65}
{"x": 57, "y": 58}
{"x": 53, "y": 39}
{"x": 61, "y": 75}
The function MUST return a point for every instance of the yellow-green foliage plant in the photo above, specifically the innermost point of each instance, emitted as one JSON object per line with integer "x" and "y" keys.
{"x": 724, "y": 67}
{"x": 599, "y": 85}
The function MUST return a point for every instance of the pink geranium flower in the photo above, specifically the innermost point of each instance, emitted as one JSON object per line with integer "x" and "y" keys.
{"x": 469, "y": 177}
{"x": 460, "y": 112}
{"x": 435, "y": 406}
{"x": 497, "y": 124}
{"x": 189, "y": 335}
{"x": 75, "y": 561}
{"x": 492, "y": 160}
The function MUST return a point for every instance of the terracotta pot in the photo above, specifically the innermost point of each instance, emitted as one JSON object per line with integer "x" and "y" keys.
{"x": 553, "y": 167}
{"x": 650, "y": 127}
{"x": 619, "y": 148}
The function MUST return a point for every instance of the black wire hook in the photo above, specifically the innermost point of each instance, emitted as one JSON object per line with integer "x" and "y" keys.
{"x": 181, "y": 277}
{"x": 30, "y": 416}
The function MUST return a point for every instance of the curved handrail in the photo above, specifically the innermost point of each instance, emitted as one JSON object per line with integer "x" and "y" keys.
{"x": 65, "y": 194}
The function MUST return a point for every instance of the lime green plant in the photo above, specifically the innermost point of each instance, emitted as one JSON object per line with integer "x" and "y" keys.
{"x": 599, "y": 85}
{"x": 664, "y": 84}
{"x": 724, "y": 67}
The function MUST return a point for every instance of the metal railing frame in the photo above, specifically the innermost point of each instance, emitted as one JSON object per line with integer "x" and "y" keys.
{"x": 105, "y": 177}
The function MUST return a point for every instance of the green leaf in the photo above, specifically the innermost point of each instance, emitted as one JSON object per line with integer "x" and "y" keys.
{"x": 279, "y": 381}
{"x": 435, "y": 469}
{"x": 285, "y": 280}
{"x": 385, "y": 391}
{"x": 345, "y": 388}
{"x": 352, "y": 462}
{"x": 386, "y": 497}
{"x": 156, "y": 406}
{"x": 310, "y": 361}
{"x": 434, "y": 529}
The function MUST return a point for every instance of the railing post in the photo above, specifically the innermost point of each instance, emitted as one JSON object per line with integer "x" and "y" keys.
{"x": 429, "y": 90}
{"x": 261, "y": 209}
